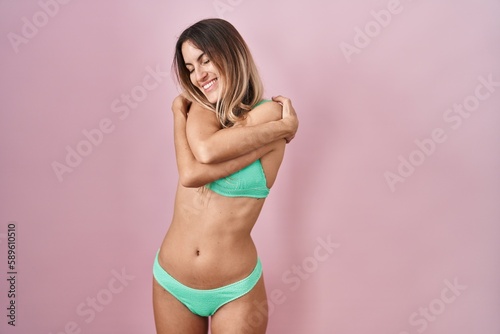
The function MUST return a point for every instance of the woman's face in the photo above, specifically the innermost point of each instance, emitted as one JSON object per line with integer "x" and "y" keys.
{"x": 202, "y": 71}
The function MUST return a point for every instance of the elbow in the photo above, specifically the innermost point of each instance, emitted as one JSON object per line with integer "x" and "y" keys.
{"x": 204, "y": 154}
{"x": 186, "y": 183}
{"x": 190, "y": 179}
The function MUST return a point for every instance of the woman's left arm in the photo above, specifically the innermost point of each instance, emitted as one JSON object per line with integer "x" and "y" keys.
{"x": 211, "y": 144}
{"x": 192, "y": 173}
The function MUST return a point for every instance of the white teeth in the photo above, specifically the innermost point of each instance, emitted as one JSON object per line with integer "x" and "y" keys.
{"x": 208, "y": 85}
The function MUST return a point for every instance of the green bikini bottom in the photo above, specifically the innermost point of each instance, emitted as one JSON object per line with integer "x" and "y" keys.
{"x": 206, "y": 302}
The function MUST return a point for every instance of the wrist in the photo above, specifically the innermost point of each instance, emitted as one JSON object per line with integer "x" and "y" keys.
{"x": 179, "y": 115}
{"x": 285, "y": 127}
{"x": 180, "y": 122}
{"x": 289, "y": 125}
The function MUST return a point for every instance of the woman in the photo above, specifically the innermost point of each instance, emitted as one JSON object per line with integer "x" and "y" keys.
{"x": 229, "y": 145}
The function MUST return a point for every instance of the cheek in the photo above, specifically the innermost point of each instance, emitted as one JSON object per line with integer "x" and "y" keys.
{"x": 211, "y": 68}
{"x": 192, "y": 78}
{"x": 215, "y": 71}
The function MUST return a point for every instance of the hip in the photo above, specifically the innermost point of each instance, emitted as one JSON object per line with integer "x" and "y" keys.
{"x": 207, "y": 260}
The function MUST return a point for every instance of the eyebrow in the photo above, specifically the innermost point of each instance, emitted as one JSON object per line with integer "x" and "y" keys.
{"x": 198, "y": 59}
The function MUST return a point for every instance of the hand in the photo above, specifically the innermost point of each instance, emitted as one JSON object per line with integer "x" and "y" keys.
{"x": 290, "y": 118}
{"x": 181, "y": 104}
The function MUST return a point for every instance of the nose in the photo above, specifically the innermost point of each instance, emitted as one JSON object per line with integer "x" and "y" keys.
{"x": 200, "y": 74}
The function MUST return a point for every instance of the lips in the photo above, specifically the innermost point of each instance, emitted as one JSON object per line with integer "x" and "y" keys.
{"x": 209, "y": 84}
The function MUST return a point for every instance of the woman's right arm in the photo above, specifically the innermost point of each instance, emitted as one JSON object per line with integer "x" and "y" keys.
{"x": 193, "y": 173}
{"x": 211, "y": 144}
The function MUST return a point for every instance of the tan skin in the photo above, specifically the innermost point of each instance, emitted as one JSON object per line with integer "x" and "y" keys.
{"x": 208, "y": 244}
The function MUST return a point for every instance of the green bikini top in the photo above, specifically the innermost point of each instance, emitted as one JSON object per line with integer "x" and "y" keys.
{"x": 247, "y": 182}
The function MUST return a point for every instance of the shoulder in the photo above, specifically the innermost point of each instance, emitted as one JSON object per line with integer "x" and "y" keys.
{"x": 197, "y": 109}
{"x": 263, "y": 113}
{"x": 198, "y": 114}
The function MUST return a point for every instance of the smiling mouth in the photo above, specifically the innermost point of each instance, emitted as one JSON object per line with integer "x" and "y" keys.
{"x": 209, "y": 85}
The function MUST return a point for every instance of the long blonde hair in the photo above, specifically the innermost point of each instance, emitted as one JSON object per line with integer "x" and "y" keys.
{"x": 222, "y": 43}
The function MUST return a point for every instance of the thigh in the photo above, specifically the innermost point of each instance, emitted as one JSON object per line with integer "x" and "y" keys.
{"x": 247, "y": 314}
{"x": 172, "y": 317}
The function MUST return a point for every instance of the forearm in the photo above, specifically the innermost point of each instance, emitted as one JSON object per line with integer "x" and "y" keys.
{"x": 192, "y": 173}
{"x": 265, "y": 124}
{"x": 182, "y": 150}
{"x": 230, "y": 143}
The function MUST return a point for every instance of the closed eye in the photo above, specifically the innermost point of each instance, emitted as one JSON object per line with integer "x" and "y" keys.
{"x": 202, "y": 62}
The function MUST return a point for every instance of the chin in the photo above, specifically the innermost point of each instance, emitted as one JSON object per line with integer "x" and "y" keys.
{"x": 212, "y": 98}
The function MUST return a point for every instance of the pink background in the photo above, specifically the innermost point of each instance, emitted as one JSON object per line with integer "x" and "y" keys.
{"x": 400, "y": 247}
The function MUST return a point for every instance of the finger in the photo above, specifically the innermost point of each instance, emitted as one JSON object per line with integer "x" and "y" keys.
{"x": 280, "y": 99}
{"x": 283, "y": 100}
{"x": 276, "y": 99}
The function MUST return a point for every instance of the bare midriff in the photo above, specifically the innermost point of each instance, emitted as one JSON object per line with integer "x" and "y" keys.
{"x": 208, "y": 244}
